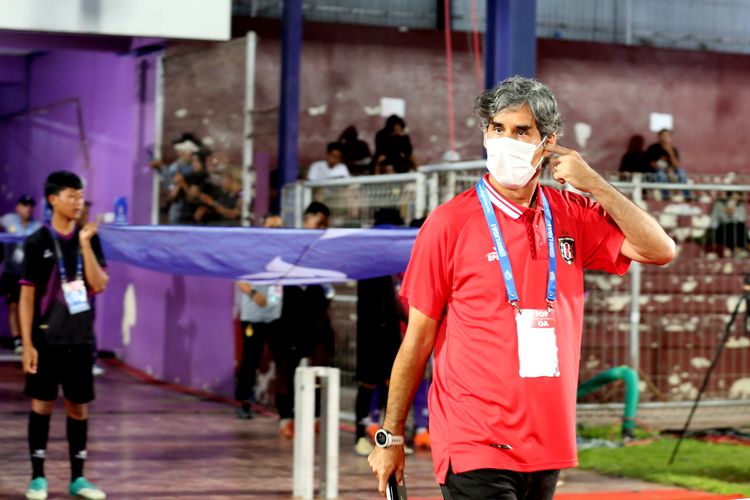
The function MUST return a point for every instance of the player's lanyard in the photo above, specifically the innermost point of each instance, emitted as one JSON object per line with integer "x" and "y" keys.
{"x": 502, "y": 252}
{"x": 61, "y": 263}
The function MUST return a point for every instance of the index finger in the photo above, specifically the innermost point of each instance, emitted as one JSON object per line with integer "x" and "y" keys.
{"x": 557, "y": 149}
{"x": 382, "y": 484}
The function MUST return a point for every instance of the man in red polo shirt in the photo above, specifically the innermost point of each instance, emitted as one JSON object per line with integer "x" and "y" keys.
{"x": 495, "y": 288}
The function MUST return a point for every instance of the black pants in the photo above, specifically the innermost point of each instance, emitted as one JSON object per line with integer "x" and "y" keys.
{"x": 252, "y": 351}
{"x": 494, "y": 484}
{"x": 732, "y": 235}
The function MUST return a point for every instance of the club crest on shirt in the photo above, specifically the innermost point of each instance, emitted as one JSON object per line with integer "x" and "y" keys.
{"x": 567, "y": 249}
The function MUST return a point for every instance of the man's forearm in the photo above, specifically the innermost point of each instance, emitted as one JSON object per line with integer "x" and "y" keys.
{"x": 26, "y": 313}
{"x": 641, "y": 230}
{"x": 408, "y": 370}
{"x": 95, "y": 275}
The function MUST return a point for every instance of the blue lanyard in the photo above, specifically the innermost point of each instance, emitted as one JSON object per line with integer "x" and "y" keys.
{"x": 61, "y": 263}
{"x": 502, "y": 252}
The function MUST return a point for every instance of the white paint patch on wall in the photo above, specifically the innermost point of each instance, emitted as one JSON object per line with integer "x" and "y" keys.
{"x": 592, "y": 363}
{"x": 689, "y": 285}
{"x": 129, "y": 314}
{"x": 317, "y": 110}
{"x": 740, "y": 389}
{"x": 616, "y": 303}
{"x": 738, "y": 343}
{"x": 371, "y": 110}
{"x": 700, "y": 363}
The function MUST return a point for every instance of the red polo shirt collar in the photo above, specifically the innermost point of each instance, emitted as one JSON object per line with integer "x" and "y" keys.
{"x": 509, "y": 208}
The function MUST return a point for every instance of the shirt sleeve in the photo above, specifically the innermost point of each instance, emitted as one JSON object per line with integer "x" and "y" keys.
{"x": 96, "y": 247}
{"x": 313, "y": 174}
{"x": 427, "y": 282}
{"x": 32, "y": 262}
{"x": 602, "y": 241}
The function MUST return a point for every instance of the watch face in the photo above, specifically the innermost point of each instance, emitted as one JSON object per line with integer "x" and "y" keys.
{"x": 381, "y": 437}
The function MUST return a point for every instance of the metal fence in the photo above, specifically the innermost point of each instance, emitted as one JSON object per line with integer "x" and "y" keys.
{"x": 354, "y": 201}
{"x": 664, "y": 321}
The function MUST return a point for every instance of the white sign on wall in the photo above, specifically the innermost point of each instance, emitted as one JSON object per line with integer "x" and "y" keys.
{"x": 188, "y": 19}
{"x": 661, "y": 121}
{"x": 392, "y": 106}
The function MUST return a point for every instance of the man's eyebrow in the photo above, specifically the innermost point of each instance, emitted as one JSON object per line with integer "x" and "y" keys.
{"x": 523, "y": 127}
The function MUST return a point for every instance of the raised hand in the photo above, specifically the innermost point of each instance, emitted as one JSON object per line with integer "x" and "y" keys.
{"x": 568, "y": 166}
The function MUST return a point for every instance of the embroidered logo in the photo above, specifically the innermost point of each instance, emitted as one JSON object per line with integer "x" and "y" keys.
{"x": 492, "y": 256}
{"x": 48, "y": 254}
{"x": 567, "y": 249}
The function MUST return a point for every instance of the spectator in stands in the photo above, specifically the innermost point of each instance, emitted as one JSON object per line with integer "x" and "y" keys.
{"x": 225, "y": 206}
{"x": 260, "y": 315}
{"x": 330, "y": 168}
{"x": 185, "y": 147}
{"x": 634, "y": 160}
{"x": 307, "y": 330}
{"x": 357, "y": 155}
{"x": 379, "y": 313}
{"x": 20, "y": 222}
{"x": 180, "y": 207}
{"x": 664, "y": 161}
{"x": 393, "y": 150}
{"x": 728, "y": 221}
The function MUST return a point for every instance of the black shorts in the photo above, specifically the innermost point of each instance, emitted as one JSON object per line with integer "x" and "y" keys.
{"x": 66, "y": 366}
{"x": 10, "y": 288}
{"x": 497, "y": 484}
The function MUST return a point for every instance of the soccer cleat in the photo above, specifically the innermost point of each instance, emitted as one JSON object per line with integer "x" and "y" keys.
{"x": 422, "y": 439}
{"x": 286, "y": 428}
{"x": 363, "y": 447}
{"x": 37, "y": 489}
{"x": 244, "y": 412}
{"x": 83, "y": 489}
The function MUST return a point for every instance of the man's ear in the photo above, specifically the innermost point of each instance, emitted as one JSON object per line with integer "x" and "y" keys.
{"x": 552, "y": 139}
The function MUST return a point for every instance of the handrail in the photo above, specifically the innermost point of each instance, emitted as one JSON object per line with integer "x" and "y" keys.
{"x": 364, "y": 179}
{"x": 449, "y": 167}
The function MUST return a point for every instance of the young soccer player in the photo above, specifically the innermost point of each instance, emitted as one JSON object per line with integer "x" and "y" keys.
{"x": 63, "y": 267}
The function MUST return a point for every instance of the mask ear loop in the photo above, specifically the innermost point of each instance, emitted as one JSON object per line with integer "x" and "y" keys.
{"x": 542, "y": 158}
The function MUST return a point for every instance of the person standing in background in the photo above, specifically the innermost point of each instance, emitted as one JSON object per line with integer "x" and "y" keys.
{"x": 260, "y": 313}
{"x": 22, "y": 223}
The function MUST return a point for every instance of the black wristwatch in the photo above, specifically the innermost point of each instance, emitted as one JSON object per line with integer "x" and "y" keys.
{"x": 252, "y": 292}
{"x": 385, "y": 439}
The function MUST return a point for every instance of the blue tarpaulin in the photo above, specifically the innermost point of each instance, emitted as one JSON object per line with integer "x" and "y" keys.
{"x": 284, "y": 256}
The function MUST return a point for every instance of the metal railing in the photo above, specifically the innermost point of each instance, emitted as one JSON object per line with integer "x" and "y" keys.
{"x": 663, "y": 321}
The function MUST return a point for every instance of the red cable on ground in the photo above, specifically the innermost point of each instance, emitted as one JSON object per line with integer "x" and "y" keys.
{"x": 449, "y": 73}
{"x": 475, "y": 45}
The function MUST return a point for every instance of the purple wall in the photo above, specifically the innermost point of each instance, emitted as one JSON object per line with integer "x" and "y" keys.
{"x": 182, "y": 327}
{"x": 176, "y": 328}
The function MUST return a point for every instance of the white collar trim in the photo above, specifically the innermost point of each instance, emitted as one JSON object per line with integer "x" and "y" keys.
{"x": 500, "y": 202}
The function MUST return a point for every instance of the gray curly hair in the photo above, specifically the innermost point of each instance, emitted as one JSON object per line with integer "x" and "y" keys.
{"x": 514, "y": 92}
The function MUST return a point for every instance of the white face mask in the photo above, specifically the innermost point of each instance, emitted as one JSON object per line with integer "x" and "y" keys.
{"x": 509, "y": 161}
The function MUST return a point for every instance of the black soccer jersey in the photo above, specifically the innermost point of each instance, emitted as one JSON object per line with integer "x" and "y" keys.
{"x": 53, "y": 324}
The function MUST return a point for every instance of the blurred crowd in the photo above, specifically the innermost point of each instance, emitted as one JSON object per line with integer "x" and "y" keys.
{"x": 350, "y": 155}
{"x": 200, "y": 186}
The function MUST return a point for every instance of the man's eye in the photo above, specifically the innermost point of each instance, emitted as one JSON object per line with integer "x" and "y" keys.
{"x": 522, "y": 132}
